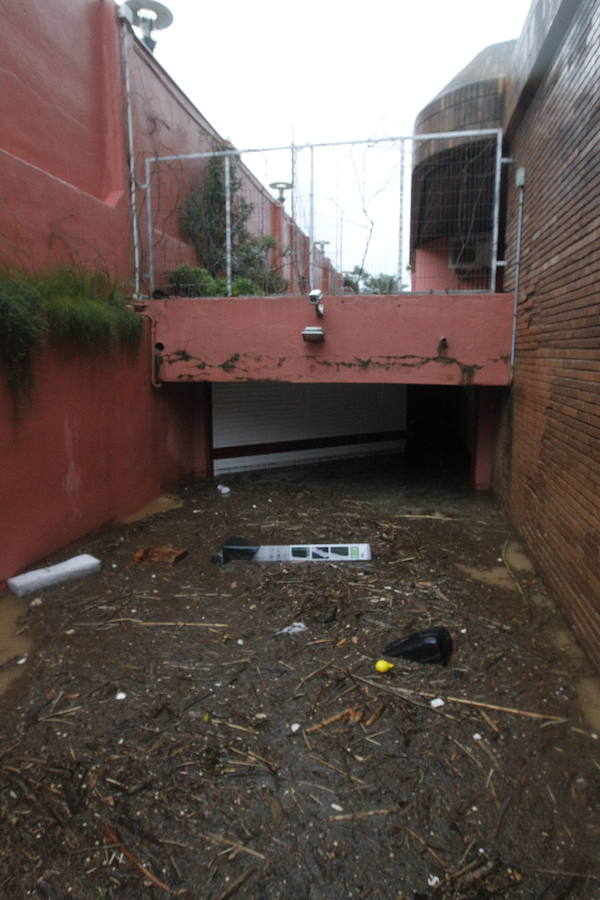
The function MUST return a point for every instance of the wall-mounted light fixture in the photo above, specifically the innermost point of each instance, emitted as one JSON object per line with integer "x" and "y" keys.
{"x": 315, "y": 299}
{"x": 314, "y": 334}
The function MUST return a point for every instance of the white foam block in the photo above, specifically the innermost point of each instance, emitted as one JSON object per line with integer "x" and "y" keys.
{"x": 76, "y": 567}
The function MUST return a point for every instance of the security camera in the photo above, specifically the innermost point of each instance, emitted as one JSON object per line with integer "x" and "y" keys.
{"x": 315, "y": 296}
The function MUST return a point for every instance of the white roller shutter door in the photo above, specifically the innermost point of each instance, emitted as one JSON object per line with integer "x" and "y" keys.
{"x": 310, "y": 420}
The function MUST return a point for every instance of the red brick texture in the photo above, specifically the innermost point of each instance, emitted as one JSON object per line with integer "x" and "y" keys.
{"x": 548, "y": 451}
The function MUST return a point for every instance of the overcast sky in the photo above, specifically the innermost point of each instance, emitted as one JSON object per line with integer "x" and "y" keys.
{"x": 323, "y": 70}
{"x": 267, "y": 74}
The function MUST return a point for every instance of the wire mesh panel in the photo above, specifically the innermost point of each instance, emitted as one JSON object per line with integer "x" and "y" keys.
{"x": 393, "y": 215}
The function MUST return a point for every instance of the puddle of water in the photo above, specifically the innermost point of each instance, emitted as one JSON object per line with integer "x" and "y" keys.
{"x": 162, "y": 504}
{"x": 563, "y": 640}
{"x": 542, "y": 600}
{"x": 517, "y": 559}
{"x": 11, "y": 644}
{"x": 588, "y": 691}
{"x": 497, "y": 576}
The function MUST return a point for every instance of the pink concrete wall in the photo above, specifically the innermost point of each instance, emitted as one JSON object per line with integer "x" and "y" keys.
{"x": 431, "y": 272}
{"x": 64, "y": 179}
{"x": 63, "y": 187}
{"x": 368, "y": 339}
{"x": 97, "y": 443}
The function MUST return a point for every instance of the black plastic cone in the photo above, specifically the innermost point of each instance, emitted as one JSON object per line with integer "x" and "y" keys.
{"x": 432, "y": 645}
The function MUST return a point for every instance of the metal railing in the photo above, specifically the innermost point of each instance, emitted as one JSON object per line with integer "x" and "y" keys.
{"x": 390, "y": 215}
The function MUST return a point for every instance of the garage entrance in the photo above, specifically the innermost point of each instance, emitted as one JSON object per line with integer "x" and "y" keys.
{"x": 258, "y": 425}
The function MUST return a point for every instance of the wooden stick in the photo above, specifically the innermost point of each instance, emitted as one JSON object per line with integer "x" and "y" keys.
{"x": 570, "y": 874}
{"x": 425, "y": 845}
{"x": 375, "y": 716}
{"x": 329, "y": 721}
{"x": 236, "y": 884}
{"x": 405, "y": 693}
{"x": 335, "y": 769}
{"x": 312, "y": 675}
{"x": 236, "y": 727}
{"x": 134, "y": 860}
{"x": 251, "y": 755}
{"x": 364, "y": 815}
{"x": 210, "y": 836}
{"x": 163, "y": 624}
{"x": 506, "y": 709}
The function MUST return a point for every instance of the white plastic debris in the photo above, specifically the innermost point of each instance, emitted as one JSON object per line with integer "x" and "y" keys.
{"x": 120, "y": 695}
{"x": 433, "y": 880}
{"x": 476, "y": 736}
{"x": 22, "y": 660}
{"x": 76, "y": 567}
{"x": 294, "y": 628}
{"x": 436, "y": 703}
{"x": 295, "y": 727}
{"x": 223, "y": 489}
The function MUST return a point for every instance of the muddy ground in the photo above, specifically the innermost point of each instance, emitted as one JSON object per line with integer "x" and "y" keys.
{"x": 163, "y": 738}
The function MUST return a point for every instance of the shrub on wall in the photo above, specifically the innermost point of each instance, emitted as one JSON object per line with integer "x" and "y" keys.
{"x": 203, "y": 223}
{"x": 190, "y": 281}
{"x": 78, "y": 310}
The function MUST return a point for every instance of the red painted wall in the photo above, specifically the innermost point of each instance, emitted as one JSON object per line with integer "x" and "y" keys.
{"x": 431, "y": 272}
{"x": 97, "y": 443}
{"x": 368, "y": 339}
{"x": 64, "y": 175}
{"x": 63, "y": 187}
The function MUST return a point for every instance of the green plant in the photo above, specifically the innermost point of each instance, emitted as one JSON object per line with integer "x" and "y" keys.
{"x": 203, "y": 222}
{"x": 362, "y": 283}
{"x": 76, "y": 308}
{"x": 190, "y": 281}
{"x": 87, "y": 310}
{"x": 21, "y": 330}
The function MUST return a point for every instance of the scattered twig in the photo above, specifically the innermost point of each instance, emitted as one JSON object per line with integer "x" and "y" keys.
{"x": 327, "y": 765}
{"x": 255, "y": 756}
{"x": 350, "y": 714}
{"x": 241, "y": 848}
{"x": 232, "y": 725}
{"x": 455, "y": 876}
{"x": 417, "y": 837}
{"x": 406, "y": 693}
{"x": 437, "y": 518}
{"x": 236, "y": 884}
{"x": 570, "y": 874}
{"x": 364, "y": 815}
{"x": 155, "y": 624}
{"x": 135, "y": 861}
{"x": 312, "y": 674}
{"x": 375, "y": 716}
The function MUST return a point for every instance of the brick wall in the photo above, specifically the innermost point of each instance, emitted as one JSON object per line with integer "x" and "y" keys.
{"x": 548, "y": 452}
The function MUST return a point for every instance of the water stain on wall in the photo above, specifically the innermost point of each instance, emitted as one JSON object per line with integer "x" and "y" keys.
{"x": 13, "y": 646}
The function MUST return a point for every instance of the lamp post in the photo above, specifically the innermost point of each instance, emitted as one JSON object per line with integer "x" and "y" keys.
{"x": 282, "y": 187}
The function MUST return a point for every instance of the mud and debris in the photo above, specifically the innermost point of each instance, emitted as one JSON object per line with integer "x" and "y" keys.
{"x": 165, "y": 738}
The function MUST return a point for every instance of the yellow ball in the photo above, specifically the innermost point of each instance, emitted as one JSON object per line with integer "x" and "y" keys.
{"x": 382, "y": 665}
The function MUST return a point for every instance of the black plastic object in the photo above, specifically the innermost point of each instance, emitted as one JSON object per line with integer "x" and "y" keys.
{"x": 234, "y": 548}
{"x": 432, "y": 645}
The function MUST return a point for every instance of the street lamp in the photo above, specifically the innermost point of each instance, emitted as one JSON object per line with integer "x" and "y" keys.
{"x": 281, "y": 186}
